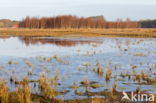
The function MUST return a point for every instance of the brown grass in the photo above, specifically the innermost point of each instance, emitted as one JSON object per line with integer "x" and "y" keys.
{"x": 138, "y": 32}
{"x": 4, "y": 92}
{"x": 108, "y": 74}
{"x": 22, "y": 93}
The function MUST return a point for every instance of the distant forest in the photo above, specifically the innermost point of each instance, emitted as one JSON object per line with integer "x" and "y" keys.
{"x": 69, "y": 21}
{"x": 148, "y": 24}
{"x": 6, "y": 23}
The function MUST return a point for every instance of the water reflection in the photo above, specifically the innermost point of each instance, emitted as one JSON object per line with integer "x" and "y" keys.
{"x": 33, "y": 46}
{"x": 4, "y": 37}
{"x": 51, "y": 40}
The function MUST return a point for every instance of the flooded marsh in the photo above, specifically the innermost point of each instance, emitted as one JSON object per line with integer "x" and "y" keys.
{"x": 75, "y": 68}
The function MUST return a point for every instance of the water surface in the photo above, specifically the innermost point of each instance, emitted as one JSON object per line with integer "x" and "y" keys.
{"x": 76, "y": 53}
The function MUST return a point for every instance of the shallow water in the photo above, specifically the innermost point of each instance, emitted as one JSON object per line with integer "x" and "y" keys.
{"x": 75, "y": 54}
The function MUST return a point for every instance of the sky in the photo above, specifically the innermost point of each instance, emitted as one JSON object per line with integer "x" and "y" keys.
{"x": 110, "y": 9}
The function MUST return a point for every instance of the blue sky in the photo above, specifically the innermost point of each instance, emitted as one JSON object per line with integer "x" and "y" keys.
{"x": 111, "y": 9}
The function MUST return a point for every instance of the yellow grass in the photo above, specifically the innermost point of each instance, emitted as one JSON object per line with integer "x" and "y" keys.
{"x": 4, "y": 92}
{"x": 136, "y": 32}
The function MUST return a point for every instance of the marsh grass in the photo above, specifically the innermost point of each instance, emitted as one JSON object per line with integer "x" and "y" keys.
{"x": 29, "y": 64}
{"x": 139, "y": 54}
{"x": 90, "y": 32}
{"x": 86, "y": 84}
{"x": 4, "y": 92}
{"x": 98, "y": 69}
{"x": 113, "y": 90}
{"x": 22, "y": 93}
{"x": 96, "y": 85}
{"x": 75, "y": 87}
{"x": 48, "y": 86}
{"x": 12, "y": 62}
{"x": 137, "y": 77}
{"x": 60, "y": 60}
{"x": 134, "y": 66}
{"x": 96, "y": 100}
{"x": 87, "y": 65}
{"x": 44, "y": 85}
{"x": 108, "y": 74}
{"x": 122, "y": 75}
{"x": 128, "y": 75}
{"x": 144, "y": 76}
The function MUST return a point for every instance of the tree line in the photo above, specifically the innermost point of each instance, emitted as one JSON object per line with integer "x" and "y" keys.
{"x": 6, "y": 23}
{"x": 148, "y": 24}
{"x": 69, "y": 21}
